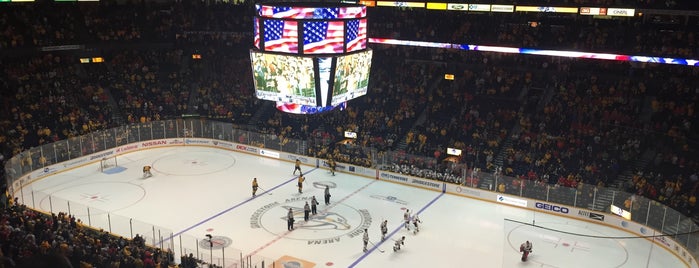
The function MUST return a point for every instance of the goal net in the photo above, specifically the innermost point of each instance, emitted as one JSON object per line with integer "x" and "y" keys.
{"x": 108, "y": 163}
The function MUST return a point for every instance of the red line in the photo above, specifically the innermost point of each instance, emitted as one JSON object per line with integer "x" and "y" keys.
{"x": 279, "y": 237}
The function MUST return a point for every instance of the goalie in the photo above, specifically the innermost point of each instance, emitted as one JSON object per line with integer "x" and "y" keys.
{"x": 146, "y": 172}
{"x": 525, "y": 248}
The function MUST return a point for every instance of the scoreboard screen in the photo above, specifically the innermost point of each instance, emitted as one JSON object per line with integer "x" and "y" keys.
{"x": 299, "y": 11}
{"x": 256, "y": 32}
{"x": 323, "y": 37}
{"x": 284, "y": 78}
{"x": 309, "y": 30}
{"x": 281, "y": 36}
{"x": 356, "y": 35}
{"x": 351, "y": 78}
{"x": 310, "y": 54}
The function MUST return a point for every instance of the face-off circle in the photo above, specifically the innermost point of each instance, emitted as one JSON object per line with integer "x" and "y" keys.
{"x": 216, "y": 242}
{"x": 323, "y": 228}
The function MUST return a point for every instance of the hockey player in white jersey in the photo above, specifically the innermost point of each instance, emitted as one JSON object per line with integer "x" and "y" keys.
{"x": 384, "y": 229}
{"x": 366, "y": 239}
{"x": 400, "y": 242}
{"x": 416, "y": 221}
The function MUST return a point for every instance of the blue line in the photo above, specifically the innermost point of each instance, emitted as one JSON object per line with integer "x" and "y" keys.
{"x": 401, "y": 226}
{"x": 231, "y": 208}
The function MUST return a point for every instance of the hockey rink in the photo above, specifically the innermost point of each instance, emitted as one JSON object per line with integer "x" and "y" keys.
{"x": 197, "y": 191}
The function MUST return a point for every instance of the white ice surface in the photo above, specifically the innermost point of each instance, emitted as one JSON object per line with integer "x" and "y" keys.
{"x": 197, "y": 191}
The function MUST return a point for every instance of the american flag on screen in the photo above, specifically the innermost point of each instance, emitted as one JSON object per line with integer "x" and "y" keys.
{"x": 356, "y": 35}
{"x": 326, "y": 13}
{"x": 256, "y": 32}
{"x": 299, "y": 12}
{"x": 352, "y": 12}
{"x": 281, "y": 36}
{"x": 323, "y": 37}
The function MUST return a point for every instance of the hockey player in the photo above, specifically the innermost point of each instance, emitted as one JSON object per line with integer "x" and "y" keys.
{"x": 406, "y": 218}
{"x": 314, "y": 205}
{"x": 399, "y": 242}
{"x": 384, "y": 229}
{"x": 416, "y": 221}
{"x": 297, "y": 166}
{"x": 146, "y": 172}
{"x": 525, "y": 248}
{"x": 332, "y": 165}
{"x": 254, "y": 186}
{"x": 366, "y": 239}
{"x": 300, "y": 184}
{"x": 306, "y": 211}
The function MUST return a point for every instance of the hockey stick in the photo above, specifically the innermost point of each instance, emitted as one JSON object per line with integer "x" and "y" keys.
{"x": 269, "y": 193}
{"x": 377, "y": 248}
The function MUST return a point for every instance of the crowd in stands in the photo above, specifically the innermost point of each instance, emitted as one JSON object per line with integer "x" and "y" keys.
{"x": 32, "y": 239}
{"x": 555, "y": 121}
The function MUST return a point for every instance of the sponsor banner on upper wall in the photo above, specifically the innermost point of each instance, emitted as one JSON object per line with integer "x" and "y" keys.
{"x": 478, "y": 7}
{"x": 368, "y": 3}
{"x": 593, "y": 11}
{"x": 437, "y": 6}
{"x": 612, "y": 12}
{"x": 502, "y": 8}
{"x": 457, "y": 6}
{"x": 546, "y": 9}
{"x": 621, "y": 12}
{"x": 400, "y": 4}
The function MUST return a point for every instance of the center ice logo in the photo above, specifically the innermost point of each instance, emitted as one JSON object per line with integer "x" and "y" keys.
{"x": 329, "y": 225}
{"x": 320, "y": 221}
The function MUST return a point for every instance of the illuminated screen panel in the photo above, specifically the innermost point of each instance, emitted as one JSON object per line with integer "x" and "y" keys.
{"x": 352, "y": 12}
{"x": 356, "y": 35}
{"x": 256, "y": 32}
{"x": 557, "y": 53}
{"x": 287, "y": 12}
{"x": 321, "y": 37}
{"x": 351, "y": 77}
{"x": 294, "y": 108}
{"x": 324, "y": 70}
{"x": 283, "y": 78}
{"x": 281, "y": 36}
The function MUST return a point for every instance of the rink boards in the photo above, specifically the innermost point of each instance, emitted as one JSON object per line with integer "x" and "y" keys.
{"x": 594, "y": 217}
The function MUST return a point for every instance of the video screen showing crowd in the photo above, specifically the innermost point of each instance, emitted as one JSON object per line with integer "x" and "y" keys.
{"x": 284, "y": 78}
{"x": 351, "y": 77}
{"x": 310, "y": 55}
